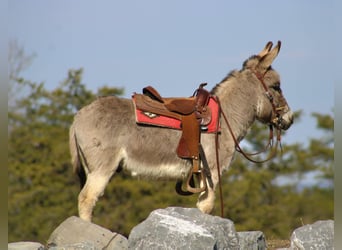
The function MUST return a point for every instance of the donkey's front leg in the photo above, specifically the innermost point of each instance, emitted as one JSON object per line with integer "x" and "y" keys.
{"x": 206, "y": 199}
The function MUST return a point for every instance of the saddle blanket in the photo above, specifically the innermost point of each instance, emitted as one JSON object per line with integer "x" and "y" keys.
{"x": 147, "y": 118}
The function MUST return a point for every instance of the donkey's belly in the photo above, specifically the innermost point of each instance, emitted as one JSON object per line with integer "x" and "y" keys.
{"x": 152, "y": 170}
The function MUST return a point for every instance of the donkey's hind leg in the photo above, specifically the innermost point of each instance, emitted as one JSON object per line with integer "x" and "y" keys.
{"x": 92, "y": 190}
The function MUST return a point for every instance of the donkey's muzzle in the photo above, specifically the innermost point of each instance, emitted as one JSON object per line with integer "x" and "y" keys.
{"x": 284, "y": 121}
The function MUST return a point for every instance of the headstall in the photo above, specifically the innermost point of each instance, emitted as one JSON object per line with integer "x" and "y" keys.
{"x": 276, "y": 121}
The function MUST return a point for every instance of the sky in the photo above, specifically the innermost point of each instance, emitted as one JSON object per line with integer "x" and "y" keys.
{"x": 176, "y": 45}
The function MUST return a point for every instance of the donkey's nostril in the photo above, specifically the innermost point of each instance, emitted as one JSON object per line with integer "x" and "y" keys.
{"x": 287, "y": 120}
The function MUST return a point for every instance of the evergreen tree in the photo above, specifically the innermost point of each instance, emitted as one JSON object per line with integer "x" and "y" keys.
{"x": 42, "y": 190}
{"x": 254, "y": 198}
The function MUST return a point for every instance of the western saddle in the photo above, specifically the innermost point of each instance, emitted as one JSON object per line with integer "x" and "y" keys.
{"x": 194, "y": 114}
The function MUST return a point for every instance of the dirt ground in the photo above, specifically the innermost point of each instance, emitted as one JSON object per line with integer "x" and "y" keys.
{"x": 275, "y": 244}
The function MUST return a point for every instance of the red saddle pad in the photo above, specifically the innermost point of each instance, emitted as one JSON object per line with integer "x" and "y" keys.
{"x": 151, "y": 119}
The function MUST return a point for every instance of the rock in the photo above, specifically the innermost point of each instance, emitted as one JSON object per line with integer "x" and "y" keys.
{"x": 25, "y": 245}
{"x": 76, "y": 246}
{"x": 75, "y": 233}
{"x": 252, "y": 240}
{"x": 319, "y": 235}
{"x": 183, "y": 228}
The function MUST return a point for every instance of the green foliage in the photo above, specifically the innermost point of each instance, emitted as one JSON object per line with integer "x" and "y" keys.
{"x": 107, "y": 91}
{"x": 254, "y": 199}
{"x": 128, "y": 201}
{"x": 43, "y": 191}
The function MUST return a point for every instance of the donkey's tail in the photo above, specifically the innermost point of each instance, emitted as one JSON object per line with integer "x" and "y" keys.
{"x": 77, "y": 157}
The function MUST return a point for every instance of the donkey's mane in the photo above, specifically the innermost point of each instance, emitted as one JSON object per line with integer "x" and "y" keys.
{"x": 253, "y": 58}
{"x": 247, "y": 64}
{"x": 225, "y": 80}
{"x": 233, "y": 73}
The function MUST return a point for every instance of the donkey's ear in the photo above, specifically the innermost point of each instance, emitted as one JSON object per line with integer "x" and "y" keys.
{"x": 266, "y": 49}
{"x": 266, "y": 61}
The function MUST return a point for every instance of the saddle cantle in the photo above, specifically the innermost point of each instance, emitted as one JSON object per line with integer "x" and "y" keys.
{"x": 192, "y": 115}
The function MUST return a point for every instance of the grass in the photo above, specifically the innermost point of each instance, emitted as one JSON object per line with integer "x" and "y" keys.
{"x": 275, "y": 244}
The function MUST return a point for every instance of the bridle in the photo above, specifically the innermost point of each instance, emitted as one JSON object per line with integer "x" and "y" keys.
{"x": 277, "y": 111}
{"x": 276, "y": 121}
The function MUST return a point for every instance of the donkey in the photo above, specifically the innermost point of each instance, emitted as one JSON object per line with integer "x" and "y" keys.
{"x": 104, "y": 136}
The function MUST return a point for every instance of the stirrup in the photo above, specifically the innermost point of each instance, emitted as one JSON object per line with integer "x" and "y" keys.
{"x": 190, "y": 189}
{"x": 195, "y": 190}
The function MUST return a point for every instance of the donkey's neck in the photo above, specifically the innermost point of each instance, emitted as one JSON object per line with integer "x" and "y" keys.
{"x": 238, "y": 101}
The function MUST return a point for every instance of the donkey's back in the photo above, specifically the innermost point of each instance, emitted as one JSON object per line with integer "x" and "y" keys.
{"x": 106, "y": 131}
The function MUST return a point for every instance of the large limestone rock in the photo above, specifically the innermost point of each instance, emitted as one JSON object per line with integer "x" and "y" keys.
{"x": 75, "y": 233}
{"x": 319, "y": 235}
{"x": 183, "y": 228}
{"x": 25, "y": 245}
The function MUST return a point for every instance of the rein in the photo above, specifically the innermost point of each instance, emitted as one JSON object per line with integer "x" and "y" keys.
{"x": 276, "y": 119}
{"x": 248, "y": 155}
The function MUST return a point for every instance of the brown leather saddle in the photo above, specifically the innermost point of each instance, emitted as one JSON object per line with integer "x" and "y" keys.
{"x": 194, "y": 114}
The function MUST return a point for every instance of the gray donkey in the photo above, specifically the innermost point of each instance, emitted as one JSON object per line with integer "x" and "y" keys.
{"x": 104, "y": 137}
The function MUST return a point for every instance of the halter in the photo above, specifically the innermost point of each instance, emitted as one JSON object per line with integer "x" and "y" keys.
{"x": 276, "y": 121}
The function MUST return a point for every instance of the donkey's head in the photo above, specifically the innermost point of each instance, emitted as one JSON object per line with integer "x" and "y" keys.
{"x": 272, "y": 107}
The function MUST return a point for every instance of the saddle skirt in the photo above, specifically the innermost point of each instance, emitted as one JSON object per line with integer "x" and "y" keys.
{"x": 151, "y": 119}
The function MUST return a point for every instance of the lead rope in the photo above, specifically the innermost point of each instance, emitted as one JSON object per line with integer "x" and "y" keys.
{"x": 269, "y": 144}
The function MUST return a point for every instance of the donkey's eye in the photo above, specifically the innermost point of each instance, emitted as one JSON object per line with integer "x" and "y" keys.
{"x": 276, "y": 88}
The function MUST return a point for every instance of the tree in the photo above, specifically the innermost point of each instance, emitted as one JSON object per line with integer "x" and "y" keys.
{"x": 18, "y": 61}
{"x": 42, "y": 190}
{"x": 255, "y": 199}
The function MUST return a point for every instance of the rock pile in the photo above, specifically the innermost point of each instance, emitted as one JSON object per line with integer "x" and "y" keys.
{"x": 176, "y": 228}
